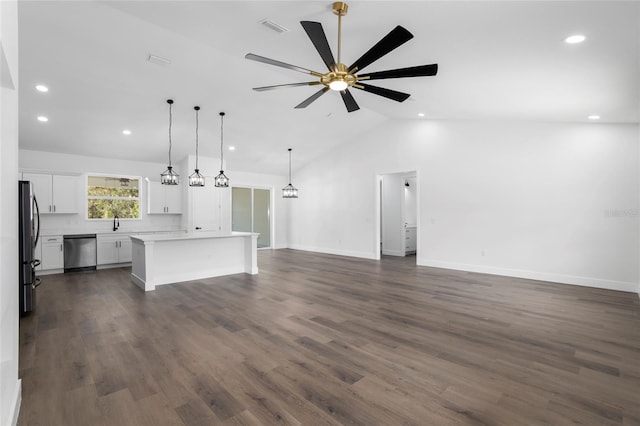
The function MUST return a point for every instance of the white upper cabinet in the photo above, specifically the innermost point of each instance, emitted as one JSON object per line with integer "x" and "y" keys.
{"x": 164, "y": 199}
{"x": 56, "y": 194}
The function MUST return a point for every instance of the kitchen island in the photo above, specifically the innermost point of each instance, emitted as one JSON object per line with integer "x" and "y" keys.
{"x": 166, "y": 259}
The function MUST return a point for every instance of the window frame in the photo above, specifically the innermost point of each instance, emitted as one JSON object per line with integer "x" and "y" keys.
{"x": 87, "y": 197}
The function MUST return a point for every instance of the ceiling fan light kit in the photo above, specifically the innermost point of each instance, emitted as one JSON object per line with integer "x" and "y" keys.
{"x": 169, "y": 176}
{"x": 341, "y": 78}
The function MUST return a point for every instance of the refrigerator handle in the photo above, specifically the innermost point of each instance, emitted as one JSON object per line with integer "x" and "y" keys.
{"x": 35, "y": 202}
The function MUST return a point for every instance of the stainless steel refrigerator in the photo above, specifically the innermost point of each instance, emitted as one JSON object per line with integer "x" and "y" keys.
{"x": 28, "y": 234}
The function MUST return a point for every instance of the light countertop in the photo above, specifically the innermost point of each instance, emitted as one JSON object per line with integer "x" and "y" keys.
{"x": 190, "y": 236}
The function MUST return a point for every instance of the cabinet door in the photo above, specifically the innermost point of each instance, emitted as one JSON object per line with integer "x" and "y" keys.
{"x": 65, "y": 194}
{"x": 205, "y": 211}
{"x": 52, "y": 254}
{"x": 124, "y": 251}
{"x": 107, "y": 251}
{"x": 155, "y": 198}
{"x": 42, "y": 189}
{"x": 173, "y": 199}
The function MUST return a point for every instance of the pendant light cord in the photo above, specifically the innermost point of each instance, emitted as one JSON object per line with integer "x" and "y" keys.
{"x": 289, "y": 166}
{"x": 170, "y": 120}
{"x": 221, "y": 138}
{"x": 197, "y": 138}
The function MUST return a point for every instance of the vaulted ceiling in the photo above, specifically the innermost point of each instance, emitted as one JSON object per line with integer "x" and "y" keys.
{"x": 497, "y": 61}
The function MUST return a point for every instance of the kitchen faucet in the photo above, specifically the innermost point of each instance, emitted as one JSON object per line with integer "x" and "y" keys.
{"x": 116, "y": 223}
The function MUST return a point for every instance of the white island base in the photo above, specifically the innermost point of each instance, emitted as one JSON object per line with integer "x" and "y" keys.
{"x": 167, "y": 259}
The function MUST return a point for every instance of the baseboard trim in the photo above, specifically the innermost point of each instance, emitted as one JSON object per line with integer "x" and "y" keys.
{"x": 362, "y": 255}
{"x": 393, "y": 253}
{"x": 113, "y": 265}
{"x": 17, "y": 403}
{"x": 532, "y": 275}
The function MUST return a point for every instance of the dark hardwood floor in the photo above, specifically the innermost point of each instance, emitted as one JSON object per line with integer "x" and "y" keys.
{"x": 325, "y": 340}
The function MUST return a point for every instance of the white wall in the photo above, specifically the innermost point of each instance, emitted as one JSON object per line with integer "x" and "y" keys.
{"x": 551, "y": 201}
{"x": 10, "y": 393}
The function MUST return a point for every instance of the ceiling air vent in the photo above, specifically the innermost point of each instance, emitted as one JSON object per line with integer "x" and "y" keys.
{"x": 273, "y": 26}
{"x": 158, "y": 60}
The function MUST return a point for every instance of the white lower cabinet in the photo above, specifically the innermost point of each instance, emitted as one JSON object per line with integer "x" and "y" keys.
{"x": 410, "y": 240}
{"x": 51, "y": 252}
{"x": 113, "y": 249}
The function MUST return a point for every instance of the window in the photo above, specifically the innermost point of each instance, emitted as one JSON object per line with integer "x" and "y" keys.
{"x": 108, "y": 196}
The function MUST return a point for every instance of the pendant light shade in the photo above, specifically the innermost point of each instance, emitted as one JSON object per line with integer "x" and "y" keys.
{"x": 169, "y": 177}
{"x": 221, "y": 181}
{"x": 289, "y": 191}
{"x": 196, "y": 179}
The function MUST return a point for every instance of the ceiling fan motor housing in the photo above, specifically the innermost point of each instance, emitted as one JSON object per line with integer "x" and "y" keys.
{"x": 340, "y": 8}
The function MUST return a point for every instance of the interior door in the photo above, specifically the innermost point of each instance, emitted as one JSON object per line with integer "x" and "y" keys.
{"x": 251, "y": 212}
{"x": 262, "y": 216}
{"x": 241, "y": 220}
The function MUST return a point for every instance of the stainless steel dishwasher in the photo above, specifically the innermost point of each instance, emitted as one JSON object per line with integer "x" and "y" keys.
{"x": 80, "y": 252}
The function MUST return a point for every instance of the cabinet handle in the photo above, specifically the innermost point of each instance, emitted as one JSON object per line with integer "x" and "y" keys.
{"x": 49, "y": 209}
{"x": 60, "y": 247}
{"x": 54, "y": 208}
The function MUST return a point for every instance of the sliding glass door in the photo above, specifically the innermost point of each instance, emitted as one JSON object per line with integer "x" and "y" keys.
{"x": 251, "y": 212}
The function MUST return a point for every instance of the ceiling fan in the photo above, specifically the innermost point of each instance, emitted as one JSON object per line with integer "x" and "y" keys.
{"x": 340, "y": 77}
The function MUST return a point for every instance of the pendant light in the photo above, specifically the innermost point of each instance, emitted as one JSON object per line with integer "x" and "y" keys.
{"x": 221, "y": 180}
{"x": 169, "y": 177}
{"x": 289, "y": 191}
{"x": 196, "y": 179}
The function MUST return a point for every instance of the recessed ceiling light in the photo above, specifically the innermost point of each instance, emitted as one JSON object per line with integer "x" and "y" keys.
{"x": 126, "y": 132}
{"x": 594, "y": 117}
{"x": 421, "y": 114}
{"x": 42, "y": 118}
{"x": 574, "y": 39}
{"x": 273, "y": 26}
{"x": 42, "y": 88}
{"x": 232, "y": 148}
{"x": 158, "y": 60}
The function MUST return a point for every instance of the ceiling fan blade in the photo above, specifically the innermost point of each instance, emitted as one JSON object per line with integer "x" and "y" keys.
{"x": 387, "y": 93}
{"x": 312, "y": 98}
{"x": 278, "y": 86}
{"x": 319, "y": 39}
{"x": 397, "y": 37}
{"x": 262, "y": 59}
{"x": 349, "y": 102}
{"x": 419, "y": 71}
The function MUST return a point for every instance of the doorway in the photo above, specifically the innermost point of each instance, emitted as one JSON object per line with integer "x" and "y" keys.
{"x": 397, "y": 214}
{"x": 251, "y": 212}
